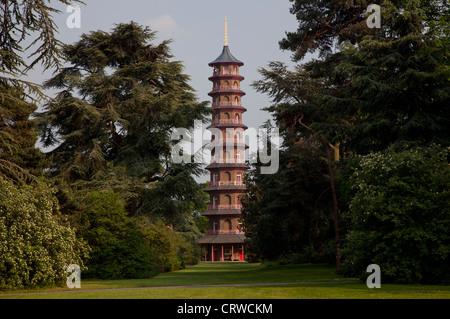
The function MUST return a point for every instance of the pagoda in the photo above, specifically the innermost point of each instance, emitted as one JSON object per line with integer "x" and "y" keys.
{"x": 224, "y": 240}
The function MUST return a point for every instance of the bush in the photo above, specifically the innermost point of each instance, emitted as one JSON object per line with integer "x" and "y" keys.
{"x": 400, "y": 216}
{"x": 129, "y": 247}
{"x": 118, "y": 250}
{"x": 168, "y": 249}
{"x": 36, "y": 244}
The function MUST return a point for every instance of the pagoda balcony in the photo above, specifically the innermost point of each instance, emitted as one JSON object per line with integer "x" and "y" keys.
{"x": 226, "y": 87}
{"x": 227, "y": 121}
{"x": 220, "y": 183}
{"x": 230, "y": 103}
{"x": 223, "y": 232}
{"x": 227, "y": 206}
{"x": 225, "y": 72}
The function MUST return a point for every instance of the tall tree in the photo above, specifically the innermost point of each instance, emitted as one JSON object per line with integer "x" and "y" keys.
{"x": 20, "y": 22}
{"x": 23, "y": 23}
{"x": 111, "y": 121}
{"x": 370, "y": 88}
{"x": 396, "y": 87}
{"x": 19, "y": 158}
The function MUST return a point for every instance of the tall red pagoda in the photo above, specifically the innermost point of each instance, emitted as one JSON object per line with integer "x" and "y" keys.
{"x": 224, "y": 240}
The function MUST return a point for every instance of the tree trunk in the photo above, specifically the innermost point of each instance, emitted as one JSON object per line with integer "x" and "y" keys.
{"x": 336, "y": 211}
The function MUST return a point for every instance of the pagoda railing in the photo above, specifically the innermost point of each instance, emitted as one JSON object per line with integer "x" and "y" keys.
{"x": 228, "y": 206}
{"x": 219, "y": 183}
{"x": 226, "y": 232}
{"x": 226, "y": 121}
{"x": 225, "y": 72}
{"x": 226, "y": 103}
{"x": 226, "y": 87}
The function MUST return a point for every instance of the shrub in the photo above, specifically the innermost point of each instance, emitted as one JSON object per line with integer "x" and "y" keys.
{"x": 400, "y": 216}
{"x": 36, "y": 244}
{"x": 128, "y": 247}
{"x": 118, "y": 249}
{"x": 169, "y": 250}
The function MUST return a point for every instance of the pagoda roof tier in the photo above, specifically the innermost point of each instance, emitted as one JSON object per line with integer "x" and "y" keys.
{"x": 220, "y": 91}
{"x": 229, "y": 107}
{"x": 222, "y": 239}
{"x": 215, "y": 212}
{"x": 227, "y": 165}
{"x": 226, "y": 58}
{"x": 226, "y": 144}
{"x": 227, "y": 188}
{"x": 219, "y": 125}
{"x": 226, "y": 76}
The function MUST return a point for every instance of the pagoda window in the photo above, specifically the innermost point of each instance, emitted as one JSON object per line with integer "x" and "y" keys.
{"x": 236, "y": 116}
{"x": 239, "y": 178}
{"x": 228, "y": 176}
{"x": 228, "y": 199}
{"x": 227, "y": 224}
{"x": 227, "y": 115}
{"x": 215, "y": 225}
{"x": 236, "y": 99}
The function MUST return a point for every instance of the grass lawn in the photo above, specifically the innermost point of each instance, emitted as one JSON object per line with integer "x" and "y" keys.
{"x": 238, "y": 273}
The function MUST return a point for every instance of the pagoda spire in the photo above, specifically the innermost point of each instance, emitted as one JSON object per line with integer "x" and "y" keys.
{"x": 226, "y": 33}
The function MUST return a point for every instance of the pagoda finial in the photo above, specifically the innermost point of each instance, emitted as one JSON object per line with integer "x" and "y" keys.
{"x": 226, "y": 32}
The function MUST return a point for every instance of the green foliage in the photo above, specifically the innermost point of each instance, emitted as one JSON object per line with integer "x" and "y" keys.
{"x": 289, "y": 211}
{"x": 36, "y": 244}
{"x": 120, "y": 97}
{"x": 396, "y": 88}
{"x": 27, "y": 23}
{"x": 370, "y": 89}
{"x": 400, "y": 216}
{"x": 117, "y": 248}
{"x": 169, "y": 250}
{"x": 111, "y": 122}
{"x": 128, "y": 247}
{"x": 19, "y": 158}
{"x": 322, "y": 23}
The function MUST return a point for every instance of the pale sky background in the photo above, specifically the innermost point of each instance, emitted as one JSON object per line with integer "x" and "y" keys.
{"x": 197, "y": 30}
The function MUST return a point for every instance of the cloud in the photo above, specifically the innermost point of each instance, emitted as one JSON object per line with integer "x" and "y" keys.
{"x": 166, "y": 26}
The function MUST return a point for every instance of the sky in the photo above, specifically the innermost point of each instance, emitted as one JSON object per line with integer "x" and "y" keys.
{"x": 197, "y": 29}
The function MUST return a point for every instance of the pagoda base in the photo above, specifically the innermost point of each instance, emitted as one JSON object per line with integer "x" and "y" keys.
{"x": 222, "y": 252}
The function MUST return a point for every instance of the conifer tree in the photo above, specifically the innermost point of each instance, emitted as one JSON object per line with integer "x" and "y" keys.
{"x": 23, "y": 23}
{"x": 110, "y": 123}
{"x": 369, "y": 89}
